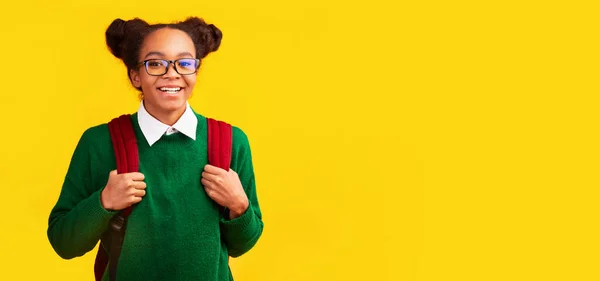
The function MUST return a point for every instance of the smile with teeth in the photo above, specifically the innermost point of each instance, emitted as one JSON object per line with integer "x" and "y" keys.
{"x": 170, "y": 90}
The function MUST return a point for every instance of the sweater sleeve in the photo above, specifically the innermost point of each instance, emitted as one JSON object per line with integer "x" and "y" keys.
{"x": 78, "y": 219}
{"x": 242, "y": 233}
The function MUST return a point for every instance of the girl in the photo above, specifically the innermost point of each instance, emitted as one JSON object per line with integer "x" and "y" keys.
{"x": 176, "y": 230}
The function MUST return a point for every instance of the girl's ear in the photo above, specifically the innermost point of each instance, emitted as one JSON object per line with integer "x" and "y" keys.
{"x": 135, "y": 78}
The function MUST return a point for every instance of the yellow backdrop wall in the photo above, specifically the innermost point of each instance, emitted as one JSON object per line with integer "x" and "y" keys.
{"x": 392, "y": 140}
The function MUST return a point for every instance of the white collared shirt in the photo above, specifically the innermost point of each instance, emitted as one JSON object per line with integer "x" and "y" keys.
{"x": 153, "y": 129}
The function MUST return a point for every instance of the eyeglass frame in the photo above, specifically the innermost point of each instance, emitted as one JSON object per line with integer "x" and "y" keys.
{"x": 145, "y": 64}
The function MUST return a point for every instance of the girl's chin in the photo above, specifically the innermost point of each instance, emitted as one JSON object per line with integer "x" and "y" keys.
{"x": 167, "y": 103}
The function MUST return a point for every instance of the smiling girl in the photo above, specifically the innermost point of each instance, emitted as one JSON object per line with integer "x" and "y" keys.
{"x": 176, "y": 230}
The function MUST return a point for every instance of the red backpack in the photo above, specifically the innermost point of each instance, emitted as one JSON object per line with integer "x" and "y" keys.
{"x": 126, "y": 153}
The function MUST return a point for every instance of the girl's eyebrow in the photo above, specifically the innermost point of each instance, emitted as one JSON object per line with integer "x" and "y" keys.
{"x": 185, "y": 54}
{"x": 155, "y": 53}
{"x": 162, "y": 55}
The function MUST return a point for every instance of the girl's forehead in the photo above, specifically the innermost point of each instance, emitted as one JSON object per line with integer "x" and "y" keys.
{"x": 168, "y": 41}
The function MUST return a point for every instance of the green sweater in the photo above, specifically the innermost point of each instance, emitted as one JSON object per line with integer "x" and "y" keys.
{"x": 176, "y": 231}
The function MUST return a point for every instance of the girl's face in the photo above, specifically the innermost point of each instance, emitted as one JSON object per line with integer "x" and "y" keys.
{"x": 166, "y": 92}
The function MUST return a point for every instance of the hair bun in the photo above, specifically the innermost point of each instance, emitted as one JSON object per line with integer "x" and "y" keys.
{"x": 115, "y": 35}
{"x": 217, "y": 35}
{"x": 207, "y": 36}
{"x": 118, "y": 32}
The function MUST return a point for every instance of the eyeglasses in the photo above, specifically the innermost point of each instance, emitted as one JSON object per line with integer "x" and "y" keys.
{"x": 156, "y": 67}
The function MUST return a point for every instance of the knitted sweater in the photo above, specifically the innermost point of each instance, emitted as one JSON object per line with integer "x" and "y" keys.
{"x": 176, "y": 232}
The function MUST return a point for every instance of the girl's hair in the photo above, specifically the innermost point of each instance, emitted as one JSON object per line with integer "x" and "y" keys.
{"x": 125, "y": 38}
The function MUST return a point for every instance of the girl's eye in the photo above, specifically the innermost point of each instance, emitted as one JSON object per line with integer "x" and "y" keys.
{"x": 155, "y": 63}
{"x": 187, "y": 63}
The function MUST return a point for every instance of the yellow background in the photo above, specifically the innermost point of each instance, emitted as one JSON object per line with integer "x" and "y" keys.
{"x": 392, "y": 140}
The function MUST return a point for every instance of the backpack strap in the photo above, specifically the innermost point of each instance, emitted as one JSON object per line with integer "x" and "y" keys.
{"x": 219, "y": 143}
{"x": 127, "y": 157}
{"x": 220, "y": 140}
{"x": 100, "y": 263}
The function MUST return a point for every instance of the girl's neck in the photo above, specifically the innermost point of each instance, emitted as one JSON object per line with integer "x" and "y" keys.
{"x": 166, "y": 117}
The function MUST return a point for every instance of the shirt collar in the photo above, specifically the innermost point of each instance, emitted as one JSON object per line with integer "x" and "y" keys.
{"x": 153, "y": 129}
